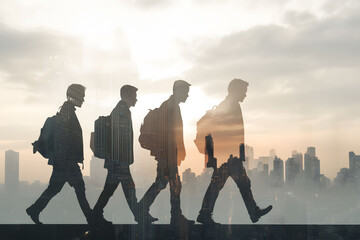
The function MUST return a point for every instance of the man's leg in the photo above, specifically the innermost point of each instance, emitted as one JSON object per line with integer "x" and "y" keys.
{"x": 57, "y": 181}
{"x": 150, "y": 195}
{"x": 177, "y": 219}
{"x": 218, "y": 180}
{"x": 128, "y": 186}
{"x": 109, "y": 189}
{"x": 175, "y": 190}
{"x": 77, "y": 182}
{"x": 244, "y": 184}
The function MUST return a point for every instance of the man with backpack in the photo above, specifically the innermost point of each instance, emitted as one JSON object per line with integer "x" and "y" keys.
{"x": 226, "y": 126}
{"x": 61, "y": 141}
{"x": 121, "y": 157}
{"x": 162, "y": 134}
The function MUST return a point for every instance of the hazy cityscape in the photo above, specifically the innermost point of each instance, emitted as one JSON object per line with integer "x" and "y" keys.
{"x": 296, "y": 188}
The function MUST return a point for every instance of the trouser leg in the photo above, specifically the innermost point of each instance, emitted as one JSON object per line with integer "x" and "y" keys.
{"x": 81, "y": 197}
{"x": 150, "y": 195}
{"x": 109, "y": 189}
{"x": 218, "y": 180}
{"x": 56, "y": 183}
{"x": 175, "y": 190}
{"x": 243, "y": 182}
{"x": 77, "y": 182}
{"x": 128, "y": 186}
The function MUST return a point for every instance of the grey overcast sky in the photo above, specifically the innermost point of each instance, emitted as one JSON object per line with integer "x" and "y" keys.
{"x": 300, "y": 57}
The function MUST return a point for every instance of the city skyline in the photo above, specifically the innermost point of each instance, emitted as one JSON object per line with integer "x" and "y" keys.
{"x": 97, "y": 173}
{"x": 287, "y": 198}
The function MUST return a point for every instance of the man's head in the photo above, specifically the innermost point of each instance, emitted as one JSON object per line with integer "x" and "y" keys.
{"x": 128, "y": 95}
{"x": 76, "y": 94}
{"x": 237, "y": 89}
{"x": 181, "y": 90}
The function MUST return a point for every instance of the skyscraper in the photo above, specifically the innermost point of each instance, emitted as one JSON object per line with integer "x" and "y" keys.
{"x": 272, "y": 154}
{"x": 11, "y": 170}
{"x": 354, "y": 166}
{"x": 188, "y": 177}
{"x": 342, "y": 176}
{"x": 266, "y": 169}
{"x": 292, "y": 169}
{"x": 278, "y": 172}
{"x": 249, "y": 156}
{"x": 311, "y": 151}
{"x": 312, "y": 164}
{"x": 264, "y": 160}
{"x": 298, "y": 158}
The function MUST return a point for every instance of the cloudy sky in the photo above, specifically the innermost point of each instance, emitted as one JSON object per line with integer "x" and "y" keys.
{"x": 300, "y": 57}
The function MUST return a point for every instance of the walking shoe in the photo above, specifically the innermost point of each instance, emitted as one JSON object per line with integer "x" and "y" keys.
{"x": 146, "y": 219}
{"x": 143, "y": 216}
{"x": 207, "y": 219}
{"x": 180, "y": 220}
{"x": 34, "y": 214}
{"x": 259, "y": 213}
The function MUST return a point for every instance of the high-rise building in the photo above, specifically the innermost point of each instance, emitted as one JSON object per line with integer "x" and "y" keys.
{"x": 263, "y": 165}
{"x": 249, "y": 157}
{"x": 324, "y": 181}
{"x": 342, "y": 176}
{"x": 188, "y": 177}
{"x": 278, "y": 172}
{"x": 254, "y": 164}
{"x": 354, "y": 166}
{"x": 272, "y": 154}
{"x": 11, "y": 170}
{"x": 298, "y": 158}
{"x": 264, "y": 160}
{"x": 260, "y": 166}
{"x": 266, "y": 169}
{"x": 249, "y": 151}
{"x": 312, "y": 164}
{"x": 311, "y": 151}
{"x": 292, "y": 169}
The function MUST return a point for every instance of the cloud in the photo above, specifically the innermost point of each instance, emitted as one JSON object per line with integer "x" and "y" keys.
{"x": 26, "y": 56}
{"x": 37, "y": 64}
{"x": 308, "y": 63}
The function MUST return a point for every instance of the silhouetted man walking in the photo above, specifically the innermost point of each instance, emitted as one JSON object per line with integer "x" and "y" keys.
{"x": 66, "y": 151}
{"x": 226, "y": 126}
{"x": 169, "y": 152}
{"x": 122, "y": 156}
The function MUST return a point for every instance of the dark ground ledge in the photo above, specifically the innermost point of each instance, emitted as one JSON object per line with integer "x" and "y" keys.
{"x": 165, "y": 232}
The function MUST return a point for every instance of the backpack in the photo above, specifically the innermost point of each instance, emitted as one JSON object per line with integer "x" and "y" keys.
{"x": 102, "y": 137}
{"x": 150, "y": 132}
{"x": 46, "y": 141}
